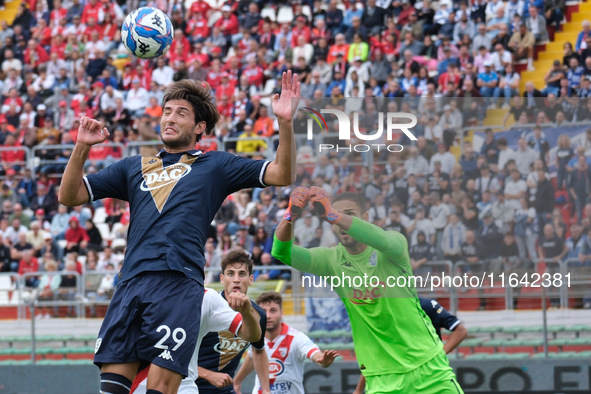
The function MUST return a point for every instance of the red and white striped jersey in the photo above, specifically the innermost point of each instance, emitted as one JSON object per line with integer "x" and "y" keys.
{"x": 287, "y": 354}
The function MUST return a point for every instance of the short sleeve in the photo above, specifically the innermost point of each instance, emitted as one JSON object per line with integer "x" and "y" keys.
{"x": 241, "y": 172}
{"x": 111, "y": 181}
{"x": 221, "y": 317}
{"x": 306, "y": 348}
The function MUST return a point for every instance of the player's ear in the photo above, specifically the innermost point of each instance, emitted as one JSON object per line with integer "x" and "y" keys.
{"x": 200, "y": 128}
{"x": 221, "y": 277}
{"x": 251, "y": 280}
{"x": 365, "y": 216}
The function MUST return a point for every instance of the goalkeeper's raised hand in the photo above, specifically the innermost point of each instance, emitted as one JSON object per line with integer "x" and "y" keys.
{"x": 297, "y": 203}
{"x": 322, "y": 206}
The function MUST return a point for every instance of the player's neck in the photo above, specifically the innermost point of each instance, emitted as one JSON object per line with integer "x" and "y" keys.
{"x": 272, "y": 335}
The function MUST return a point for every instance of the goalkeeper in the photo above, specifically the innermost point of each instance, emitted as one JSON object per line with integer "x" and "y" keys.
{"x": 397, "y": 348}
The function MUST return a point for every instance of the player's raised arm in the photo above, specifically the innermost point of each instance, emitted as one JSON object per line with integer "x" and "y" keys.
{"x": 280, "y": 172}
{"x": 357, "y": 227}
{"x": 72, "y": 190}
{"x": 250, "y": 329}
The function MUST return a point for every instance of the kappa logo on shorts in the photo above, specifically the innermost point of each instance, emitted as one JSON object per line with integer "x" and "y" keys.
{"x": 166, "y": 355}
{"x": 159, "y": 180}
{"x": 97, "y": 345}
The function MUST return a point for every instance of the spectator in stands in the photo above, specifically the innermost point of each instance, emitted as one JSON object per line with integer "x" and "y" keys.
{"x": 487, "y": 82}
{"x": 4, "y": 255}
{"x": 563, "y": 156}
{"x": 537, "y": 25}
{"x": 581, "y": 42}
{"x": 552, "y": 79}
{"x": 247, "y": 146}
{"x": 481, "y": 40}
{"x": 552, "y": 249}
{"x": 452, "y": 239}
{"x": 579, "y": 185}
{"x": 515, "y": 188}
{"x": 445, "y": 158}
{"x": 524, "y": 156}
{"x": 416, "y": 164}
{"x": 29, "y": 264}
{"x": 486, "y": 181}
{"x": 36, "y": 237}
{"x": 421, "y": 223}
{"x": 505, "y": 153}
{"x": 16, "y": 233}
{"x": 421, "y": 253}
{"x": 470, "y": 253}
{"x": 76, "y": 236}
{"x": 373, "y": 17}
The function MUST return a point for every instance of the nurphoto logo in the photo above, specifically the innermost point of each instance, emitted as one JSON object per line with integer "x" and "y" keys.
{"x": 388, "y": 123}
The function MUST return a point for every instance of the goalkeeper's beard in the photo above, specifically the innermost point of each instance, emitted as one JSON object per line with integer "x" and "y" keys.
{"x": 345, "y": 239}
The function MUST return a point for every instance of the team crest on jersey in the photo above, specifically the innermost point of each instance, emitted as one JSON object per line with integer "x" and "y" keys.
{"x": 160, "y": 180}
{"x": 373, "y": 260}
{"x": 283, "y": 351}
{"x": 276, "y": 368}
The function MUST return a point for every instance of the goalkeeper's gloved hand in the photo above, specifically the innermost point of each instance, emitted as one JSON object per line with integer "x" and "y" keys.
{"x": 297, "y": 203}
{"x": 322, "y": 207}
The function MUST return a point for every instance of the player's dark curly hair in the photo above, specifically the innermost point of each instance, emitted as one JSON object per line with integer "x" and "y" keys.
{"x": 237, "y": 257}
{"x": 357, "y": 198}
{"x": 199, "y": 95}
{"x": 270, "y": 296}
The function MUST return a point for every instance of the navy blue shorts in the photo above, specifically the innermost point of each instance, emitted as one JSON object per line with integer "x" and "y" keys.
{"x": 153, "y": 318}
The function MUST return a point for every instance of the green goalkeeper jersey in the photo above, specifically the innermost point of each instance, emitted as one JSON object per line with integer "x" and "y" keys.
{"x": 391, "y": 332}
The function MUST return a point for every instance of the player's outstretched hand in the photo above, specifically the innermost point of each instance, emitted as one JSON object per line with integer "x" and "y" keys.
{"x": 322, "y": 206}
{"x": 91, "y": 132}
{"x": 219, "y": 379}
{"x": 297, "y": 203}
{"x": 239, "y": 302}
{"x": 284, "y": 105}
{"x": 327, "y": 358}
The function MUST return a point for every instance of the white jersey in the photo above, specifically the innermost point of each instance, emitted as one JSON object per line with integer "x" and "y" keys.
{"x": 216, "y": 315}
{"x": 287, "y": 354}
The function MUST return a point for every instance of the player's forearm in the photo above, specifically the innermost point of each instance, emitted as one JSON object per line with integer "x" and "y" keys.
{"x": 292, "y": 255}
{"x": 261, "y": 367}
{"x": 250, "y": 329}
{"x": 72, "y": 190}
{"x": 370, "y": 234}
{"x": 360, "y": 385}
{"x": 456, "y": 337}
{"x": 245, "y": 370}
{"x": 282, "y": 169}
{"x": 203, "y": 373}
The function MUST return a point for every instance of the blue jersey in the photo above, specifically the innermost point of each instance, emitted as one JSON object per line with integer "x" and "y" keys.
{"x": 439, "y": 316}
{"x": 173, "y": 198}
{"x": 222, "y": 351}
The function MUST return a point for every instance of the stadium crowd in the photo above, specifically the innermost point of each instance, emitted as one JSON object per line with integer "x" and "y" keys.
{"x": 447, "y": 63}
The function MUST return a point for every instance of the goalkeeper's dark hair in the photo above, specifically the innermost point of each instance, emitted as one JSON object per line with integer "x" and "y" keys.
{"x": 270, "y": 296}
{"x": 357, "y": 198}
{"x": 199, "y": 95}
{"x": 237, "y": 257}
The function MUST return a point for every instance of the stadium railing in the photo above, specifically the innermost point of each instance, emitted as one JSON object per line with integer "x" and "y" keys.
{"x": 60, "y": 296}
{"x": 580, "y": 279}
{"x": 505, "y": 283}
{"x": 268, "y": 152}
{"x": 17, "y": 148}
{"x": 36, "y": 162}
{"x": 10, "y": 292}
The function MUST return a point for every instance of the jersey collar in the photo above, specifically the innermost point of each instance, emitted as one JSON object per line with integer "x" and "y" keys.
{"x": 192, "y": 152}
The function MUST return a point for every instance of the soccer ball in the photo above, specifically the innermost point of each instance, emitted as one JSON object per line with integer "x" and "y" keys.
{"x": 147, "y": 32}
